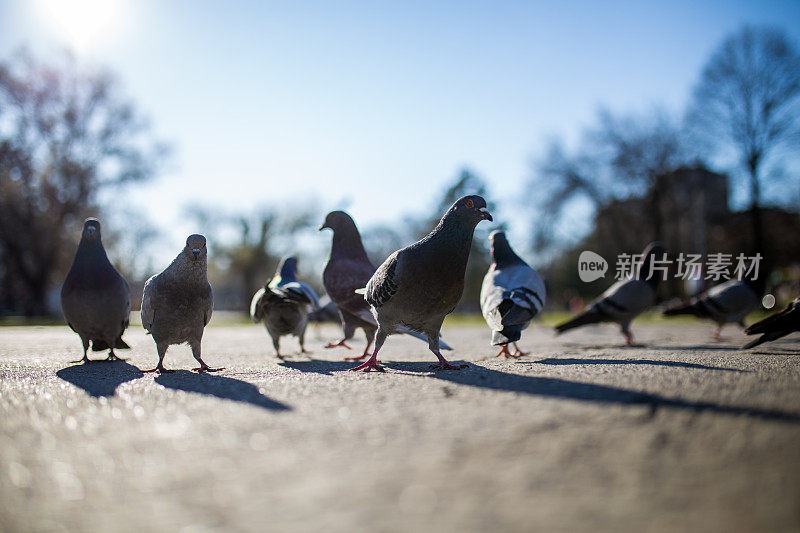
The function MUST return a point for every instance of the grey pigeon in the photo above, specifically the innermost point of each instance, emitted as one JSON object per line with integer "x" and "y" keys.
{"x": 728, "y": 302}
{"x": 95, "y": 298}
{"x": 283, "y": 305}
{"x": 349, "y": 269}
{"x": 417, "y": 286}
{"x": 775, "y": 326}
{"x": 177, "y": 303}
{"x": 511, "y": 295}
{"x": 624, "y": 300}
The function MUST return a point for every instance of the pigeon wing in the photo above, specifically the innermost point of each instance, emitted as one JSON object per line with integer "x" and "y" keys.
{"x": 148, "y": 303}
{"x": 383, "y": 284}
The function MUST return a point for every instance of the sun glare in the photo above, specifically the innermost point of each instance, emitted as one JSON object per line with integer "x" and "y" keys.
{"x": 83, "y": 23}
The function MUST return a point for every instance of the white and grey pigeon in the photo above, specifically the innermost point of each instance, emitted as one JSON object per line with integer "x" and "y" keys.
{"x": 177, "y": 303}
{"x": 95, "y": 298}
{"x": 625, "y": 299}
{"x": 728, "y": 302}
{"x": 283, "y": 305}
{"x": 417, "y": 286}
{"x": 347, "y": 270}
{"x": 775, "y": 326}
{"x": 511, "y": 295}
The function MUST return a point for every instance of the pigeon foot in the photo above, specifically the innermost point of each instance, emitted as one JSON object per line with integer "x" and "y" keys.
{"x": 336, "y": 344}
{"x": 518, "y": 352}
{"x": 206, "y": 368}
{"x": 84, "y": 360}
{"x": 159, "y": 370}
{"x": 504, "y": 351}
{"x": 368, "y": 365}
{"x": 114, "y": 357}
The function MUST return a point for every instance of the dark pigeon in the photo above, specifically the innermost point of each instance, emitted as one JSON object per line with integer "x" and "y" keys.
{"x": 349, "y": 269}
{"x": 511, "y": 295}
{"x": 283, "y": 305}
{"x": 775, "y": 326}
{"x": 95, "y": 298}
{"x": 624, "y": 300}
{"x": 177, "y": 303}
{"x": 416, "y": 287}
{"x": 728, "y": 302}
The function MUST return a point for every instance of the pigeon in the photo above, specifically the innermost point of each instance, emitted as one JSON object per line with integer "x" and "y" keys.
{"x": 775, "y": 326}
{"x": 95, "y": 298}
{"x": 283, "y": 305}
{"x": 417, "y": 286}
{"x": 177, "y": 303}
{"x": 624, "y": 300}
{"x": 511, "y": 295}
{"x": 347, "y": 270}
{"x": 728, "y": 302}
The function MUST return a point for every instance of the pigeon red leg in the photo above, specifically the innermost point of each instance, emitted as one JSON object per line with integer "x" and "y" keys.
{"x": 195, "y": 346}
{"x": 716, "y": 335}
{"x": 363, "y": 355}
{"x": 337, "y": 344}
{"x": 162, "y": 351}
{"x": 85, "y": 349}
{"x": 372, "y": 363}
{"x": 628, "y": 338}
{"x": 518, "y": 352}
{"x": 504, "y": 351}
{"x": 443, "y": 364}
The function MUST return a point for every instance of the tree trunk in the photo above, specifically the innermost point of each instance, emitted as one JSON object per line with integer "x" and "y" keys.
{"x": 755, "y": 206}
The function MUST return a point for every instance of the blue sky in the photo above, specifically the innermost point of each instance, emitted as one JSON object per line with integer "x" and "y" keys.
{"x": 376, "y": 105}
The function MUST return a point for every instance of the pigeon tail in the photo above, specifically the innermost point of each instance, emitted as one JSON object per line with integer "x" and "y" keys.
{"x": 99, "y": 346}
{"x": 682, "y": 309}
{"x": 766, "y": 337}
{"x": 589, "y": 317}
{"x": 506, "y": 335}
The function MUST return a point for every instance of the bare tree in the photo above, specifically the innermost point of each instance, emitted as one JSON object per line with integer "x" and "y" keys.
{"x": 747, "y": 100}
{"x": 65, "y": 134}
{"x": 620, "y": 156}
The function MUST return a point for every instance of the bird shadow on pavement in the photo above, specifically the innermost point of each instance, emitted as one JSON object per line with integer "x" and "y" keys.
{"x": 704, "y": 347}
{"x": 593, "y": 361}
{"x": 219, "y": 387}
{"x": 100, "y": 378}
{"x": 478, "y": 376}
{"x": 319, "y": 366}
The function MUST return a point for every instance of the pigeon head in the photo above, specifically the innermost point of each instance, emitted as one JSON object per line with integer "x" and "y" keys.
{"x": 346, "y": 238}
{"x": 654, "y": 251}
{"x": 195, "y": 248}
{"x": 338, "y": 220}
{"x": 287, "y": 269}
{"x": 91, "y": 229}
{"x": 502, "y": 253}
{"x": 471, "y": 209}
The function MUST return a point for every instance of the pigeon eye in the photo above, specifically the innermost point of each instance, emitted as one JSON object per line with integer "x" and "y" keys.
{"x": 469, "y": 203}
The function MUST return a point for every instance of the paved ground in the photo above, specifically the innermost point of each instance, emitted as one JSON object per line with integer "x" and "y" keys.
{"x": 684, "y": 434}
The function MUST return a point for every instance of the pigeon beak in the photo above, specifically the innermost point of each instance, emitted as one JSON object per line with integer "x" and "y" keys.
{"x": 486, "y": 214}
{"x": 322, "y": 227}
{"x": 196, "y": 253}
